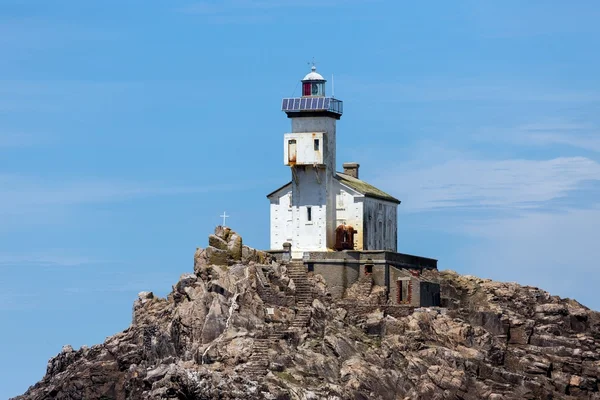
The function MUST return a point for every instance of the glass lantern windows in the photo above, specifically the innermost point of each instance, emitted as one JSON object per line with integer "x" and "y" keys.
{"x": 313, "y": 89}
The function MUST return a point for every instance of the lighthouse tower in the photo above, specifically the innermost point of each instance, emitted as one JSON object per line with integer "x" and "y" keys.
{"x": 309, "y": 151}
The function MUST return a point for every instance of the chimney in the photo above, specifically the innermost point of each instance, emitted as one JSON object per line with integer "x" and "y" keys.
{"x": 351, "y": 168}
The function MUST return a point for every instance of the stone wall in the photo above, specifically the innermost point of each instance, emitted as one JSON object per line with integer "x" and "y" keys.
{"x": 341, "y": 269}
{"x": 377, "y": 273}
{"x": 338, "y": 277}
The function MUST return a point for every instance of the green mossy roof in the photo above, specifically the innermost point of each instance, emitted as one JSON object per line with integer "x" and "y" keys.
{"x": 365, "y": 188}
{"x": 358, "y": 185}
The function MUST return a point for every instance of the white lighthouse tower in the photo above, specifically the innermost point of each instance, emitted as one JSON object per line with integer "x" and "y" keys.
{"x": 309, "y": 151}
{"x": 322, "y": 210}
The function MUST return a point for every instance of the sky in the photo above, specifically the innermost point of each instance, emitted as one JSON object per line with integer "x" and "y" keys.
{"x": 127, "y": 128}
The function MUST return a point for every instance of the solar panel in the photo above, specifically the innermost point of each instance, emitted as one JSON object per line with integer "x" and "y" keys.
{"x": 303, "y": 104}
{"x": 312, "y": 104}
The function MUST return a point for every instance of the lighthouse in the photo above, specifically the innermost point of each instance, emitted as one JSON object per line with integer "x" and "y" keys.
{"x": 335, "y": 224}
{"x": 321, "y": 209}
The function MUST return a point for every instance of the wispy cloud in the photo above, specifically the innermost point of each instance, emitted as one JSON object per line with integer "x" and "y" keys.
{"x": 581, "y": 136}
{"x": 495, "y": 184}
{"x": 520, "y": 219}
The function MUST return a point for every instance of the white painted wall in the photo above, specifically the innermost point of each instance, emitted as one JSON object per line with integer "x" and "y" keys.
{"x": 281, "y": 218}
{"x": 374, "y": 220}
{"x": 349, "y": 211}
{"x": 320, "y": 124}
{"x": 322, "y": 190}
{"x": 309, "y": 189}
{"x": 331, "y": 203}
{"x": 305, "y": 153}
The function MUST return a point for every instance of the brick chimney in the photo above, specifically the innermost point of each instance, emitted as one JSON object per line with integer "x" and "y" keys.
{"x": 351, "y": 168}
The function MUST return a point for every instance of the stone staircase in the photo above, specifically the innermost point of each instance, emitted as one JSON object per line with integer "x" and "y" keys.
{"x": 297, "y": 272}
{"x": 364, "y": 286}
{"x": 302, "y": 318}
{"x": 259, "y": 360}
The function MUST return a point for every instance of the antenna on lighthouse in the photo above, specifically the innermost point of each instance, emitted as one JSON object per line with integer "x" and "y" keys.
{"x": 332, "y": 87}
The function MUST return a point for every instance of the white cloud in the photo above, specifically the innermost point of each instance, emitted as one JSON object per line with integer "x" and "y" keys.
{"x": 500, "y": 184}
{"x": 581, "y": 136}
{"x": 512, "y": 219}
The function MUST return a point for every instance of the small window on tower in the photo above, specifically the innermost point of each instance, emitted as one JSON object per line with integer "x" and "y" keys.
{"x": 316, "y": 144}
{"x": 309, "y": 213}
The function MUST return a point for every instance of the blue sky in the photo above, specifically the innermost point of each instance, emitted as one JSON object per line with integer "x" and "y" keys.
{"x": 127, "y": 128}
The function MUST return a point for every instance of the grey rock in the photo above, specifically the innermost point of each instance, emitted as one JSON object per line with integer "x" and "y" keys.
{"x": 213, "y": 338}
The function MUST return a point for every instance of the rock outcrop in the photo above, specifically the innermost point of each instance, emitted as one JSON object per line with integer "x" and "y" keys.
{"x": 243, "y": 326}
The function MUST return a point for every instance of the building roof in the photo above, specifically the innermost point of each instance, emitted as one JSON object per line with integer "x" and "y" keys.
{"x": 313, "y": 75}
{"x": 360, "y": 186}
{"x": 278, "y": 189}
{"x": 363, "y": 187}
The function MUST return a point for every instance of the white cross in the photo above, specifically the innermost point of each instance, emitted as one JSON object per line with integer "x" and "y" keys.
{"x": 224, "y": 216}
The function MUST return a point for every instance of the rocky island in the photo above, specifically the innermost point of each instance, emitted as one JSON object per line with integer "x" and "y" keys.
{"x": 245, "y": 325}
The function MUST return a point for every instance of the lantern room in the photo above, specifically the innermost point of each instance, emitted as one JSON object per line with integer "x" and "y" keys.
{"x": 313, "y": 84}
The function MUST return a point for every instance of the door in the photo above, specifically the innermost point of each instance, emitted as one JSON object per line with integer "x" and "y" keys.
{"x": 292, "y": 151}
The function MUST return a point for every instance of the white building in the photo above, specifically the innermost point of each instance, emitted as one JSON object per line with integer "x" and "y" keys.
{"x": 321, "y": 209}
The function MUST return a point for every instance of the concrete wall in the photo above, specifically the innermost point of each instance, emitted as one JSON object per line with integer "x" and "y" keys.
{"x": 338, "y": 277}
{"x": 380, "y": 225}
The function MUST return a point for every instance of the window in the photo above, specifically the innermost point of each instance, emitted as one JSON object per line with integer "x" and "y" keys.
{"x": 309, "y": 213}
{"x": 316, "y": 144}
{"x": 306, "y": 89}
{"x": 315, "y": 89}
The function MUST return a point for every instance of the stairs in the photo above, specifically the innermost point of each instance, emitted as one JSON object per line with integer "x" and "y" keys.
{"x": 259, "y": 360}
{"x": 297, "y": 272}
{"x": 364, "y": 286}
{"x": 302, "y": 318}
